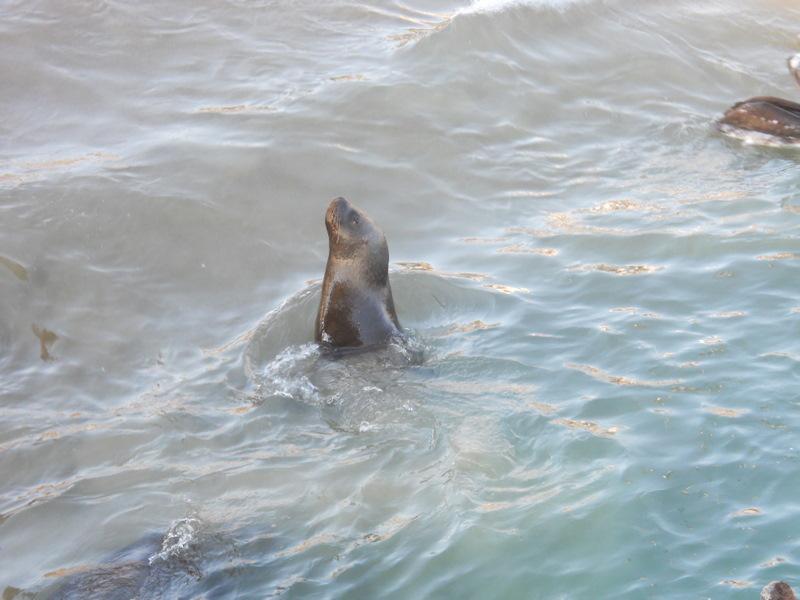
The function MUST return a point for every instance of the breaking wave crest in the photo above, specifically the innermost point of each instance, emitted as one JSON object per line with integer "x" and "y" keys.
{"x": 496, "y": 6}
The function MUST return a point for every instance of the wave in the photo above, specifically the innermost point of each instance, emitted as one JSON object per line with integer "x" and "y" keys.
{"x": 496, "y": 6}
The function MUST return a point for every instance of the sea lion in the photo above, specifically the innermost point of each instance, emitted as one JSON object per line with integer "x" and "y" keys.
{"x": 167, "y": 565}
{"x": 777, "y": 590}
{"x": 766, "y": 114}
{"x": 356, "y": 310}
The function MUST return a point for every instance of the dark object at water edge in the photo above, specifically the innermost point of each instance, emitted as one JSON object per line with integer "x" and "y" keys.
{"x": 766, "y": 114}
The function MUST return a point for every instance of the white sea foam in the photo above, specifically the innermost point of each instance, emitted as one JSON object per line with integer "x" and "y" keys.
{"x": 794, "y": 62}
{"x": 495, "y": 6}
{"x": 756, "y": 138}
{"x": 181, "y": 535}
{"x": 285, "y": 374}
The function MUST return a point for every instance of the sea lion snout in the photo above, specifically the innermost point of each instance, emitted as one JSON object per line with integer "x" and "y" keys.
{"x": 336, "y": 207}
{"x": 339, "y": 211}
{"x": 333, "y": 214}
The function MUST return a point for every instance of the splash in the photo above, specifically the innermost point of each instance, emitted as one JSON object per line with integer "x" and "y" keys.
{"x": 284, "y": 375}
{"x": 181, "y": 536}
{"x": 757, "y": 138}
{"x": 407, "y": 350}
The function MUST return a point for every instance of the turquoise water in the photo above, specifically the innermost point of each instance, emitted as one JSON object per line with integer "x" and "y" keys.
{"x": 602, "y": 288}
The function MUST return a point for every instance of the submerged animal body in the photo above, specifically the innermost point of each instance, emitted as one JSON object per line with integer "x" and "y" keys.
{"x": 356, "y": 309}
{"x": 156, "y": 566}
{"x": 766, "y": 114}
{"x": 130, "y": 573}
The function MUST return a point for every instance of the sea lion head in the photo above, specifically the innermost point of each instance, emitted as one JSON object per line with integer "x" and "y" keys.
{"x": 777, "y": 590}
{"x": 355, "y": 240}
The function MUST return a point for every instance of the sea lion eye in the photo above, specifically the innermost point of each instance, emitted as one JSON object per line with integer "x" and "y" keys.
{"x": 355, "y": 220}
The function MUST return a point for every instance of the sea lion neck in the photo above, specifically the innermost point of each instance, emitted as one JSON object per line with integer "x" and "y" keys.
{"x": 366, "y": 263}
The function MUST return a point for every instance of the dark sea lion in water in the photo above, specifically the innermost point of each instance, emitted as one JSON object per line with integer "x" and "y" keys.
{"x": 777, "y": 590}
{"x": 122, "y": 578}
{"x": 765, "y": 114}
{"x": 156, "y": 566}
{"x": 356, "y": 310}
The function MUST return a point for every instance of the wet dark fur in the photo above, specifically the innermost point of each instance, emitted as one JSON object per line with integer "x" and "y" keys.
{"x": 766, "y": 114}
{"x": 356, "y": 309}
{"x": 777, "y": 590}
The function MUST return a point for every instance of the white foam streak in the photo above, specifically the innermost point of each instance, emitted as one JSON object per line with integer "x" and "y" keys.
{"x": 756, "y": 138}
{"x": 496, "y": 6}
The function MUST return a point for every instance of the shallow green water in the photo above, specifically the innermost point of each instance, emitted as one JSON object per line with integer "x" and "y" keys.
{"x": 605, "y": 291}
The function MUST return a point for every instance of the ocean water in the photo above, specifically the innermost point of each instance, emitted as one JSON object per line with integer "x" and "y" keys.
{"x": 602, "y": 293}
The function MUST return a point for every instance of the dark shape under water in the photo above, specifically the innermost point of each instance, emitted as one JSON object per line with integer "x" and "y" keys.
{"x": 112, "y": 582}
{"x": 157, "y": 566}
{"x": 356, "y": 309}
{"x": 46, "y": 339}
{"x": 766, "y": 114}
